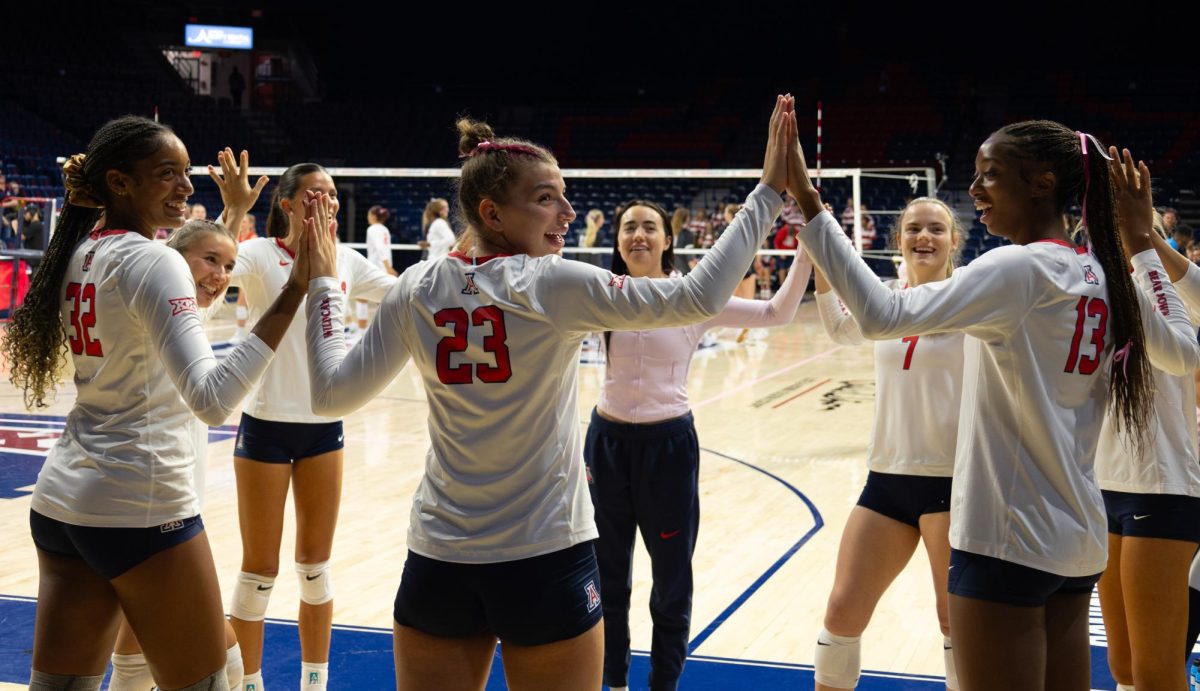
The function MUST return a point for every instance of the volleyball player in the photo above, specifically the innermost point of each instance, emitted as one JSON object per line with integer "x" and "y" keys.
{"x": 439, "y": 236}
{"x": 282, "y": 442}
{"x": 1153, "y": 503}
{"x": 114, "y": 513}
{"x": 906, "y": 501}
{"x": 501, "y": 530}
{"x": 210, "y": 251}
{"x": 643, "y": 454}
{"x": 1027, "y": 519}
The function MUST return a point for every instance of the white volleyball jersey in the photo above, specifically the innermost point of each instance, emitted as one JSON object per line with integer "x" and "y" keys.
{"x": 1169, "y": 464}
{"x": 918, "y": 391}
{"x": 142, "y": 366}
{"x": 262, "y": 269}
{"x": 378, "y": 245}
{"x": 1035, "y": 387}
{"x": 496, "y": 340}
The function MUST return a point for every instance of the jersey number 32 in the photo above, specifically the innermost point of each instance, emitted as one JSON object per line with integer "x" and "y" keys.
{"x": 493, "y": 343}
{"x": 83, "y": 318}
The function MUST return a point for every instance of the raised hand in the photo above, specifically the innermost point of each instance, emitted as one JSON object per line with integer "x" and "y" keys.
{"x": 798, "y": 181}
{"x": 320, "y": 237}
{"x": 234, "y": 183}
{"x": 774, "y": 173}
{"x": 1134, "y": 205}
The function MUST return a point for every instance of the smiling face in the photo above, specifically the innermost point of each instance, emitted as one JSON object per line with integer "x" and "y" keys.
{"x": 1009, "y": 193}
{"x": 316, "y": 181}
{"x": 211, "y": 258}
{"x": 536, "y": 214}
{"x": 927, "y": 241}
{"x": 641, "y": 239}
{"x": 154, "y": 195}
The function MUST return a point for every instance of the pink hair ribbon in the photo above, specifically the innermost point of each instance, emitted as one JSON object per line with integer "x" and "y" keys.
{"x": 1087, "y": 174}
{"x": 1122, "y": 356}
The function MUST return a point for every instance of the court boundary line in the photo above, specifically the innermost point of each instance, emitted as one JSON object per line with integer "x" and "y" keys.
{"x": 818, "y": 523}
{"x": 765, "y": 377}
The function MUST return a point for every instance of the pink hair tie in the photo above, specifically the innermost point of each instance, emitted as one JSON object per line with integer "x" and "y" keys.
{"x": 1122, "y": 356}
{"x": 486, "y": 146}
{"x": 1087, "y": 174}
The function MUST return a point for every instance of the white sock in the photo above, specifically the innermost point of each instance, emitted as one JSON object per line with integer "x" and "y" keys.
{"x": 1124, "y": 687}
{"x": 130, "y": 673}
{"x": 313, "y": 676}
{"x": 252, "y": 682}
{"x": 234, "y": 668}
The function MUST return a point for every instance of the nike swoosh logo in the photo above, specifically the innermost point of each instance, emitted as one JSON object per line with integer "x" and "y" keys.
{"x": 668, "y": 536}
{"x": 1138, "y": 518}
{"x": 339, "y": 438}
{"x": 265, "y": 587}
{"x": 311, "y": 578}
{"x": 825, "y": 644}
{"x": 283, "y": 263}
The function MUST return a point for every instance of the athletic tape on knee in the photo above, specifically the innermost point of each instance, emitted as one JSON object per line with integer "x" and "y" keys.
{"x": 951, "y": 672}
{"x": 360, "y": 310}
{"x": 234, "y": 668}
{"x": 130, "y": 673}
{"x": 41, "y": 681}
{"x": 316, "y": 583}
{"x": 838, "y": 660}
{"x": 251, "y": 595}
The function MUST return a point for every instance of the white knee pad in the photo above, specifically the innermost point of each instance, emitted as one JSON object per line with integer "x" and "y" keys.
{"x": 213, "y": 682}
{"x": 360, "y": 310}
{"x": 951, "y": 672}
{"x": 130, "y": 673}
{"x": 234, "y": 669}
{"x": 242, "y": 313}
{"x": 316, "y": 584}
{"x": 42, "y": 681}
{"x": 838, "y": 660}
{"x": 251, "y": 595}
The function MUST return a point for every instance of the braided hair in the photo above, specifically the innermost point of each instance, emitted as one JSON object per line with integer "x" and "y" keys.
{"x": 1057, "y": 147}
{"x": 35, "y": 341}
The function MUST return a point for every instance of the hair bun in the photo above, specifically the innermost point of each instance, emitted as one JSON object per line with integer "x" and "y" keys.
{"x": 470, "y": 133}
{"x": 79, "y": 192}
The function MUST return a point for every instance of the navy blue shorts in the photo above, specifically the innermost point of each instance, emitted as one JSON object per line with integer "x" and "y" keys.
{"x": 1167, "y": 516}
{"x": 268, "y": 441}
{"x": 110, "y": 551}
{"x": 995, "y": 580}
{"x": 905, "y": 498}
{"x": 543, "y": 599}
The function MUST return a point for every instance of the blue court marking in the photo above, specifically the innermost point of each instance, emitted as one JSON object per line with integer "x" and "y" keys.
{"x": 361, "y": 657}
{"x": 818, "y": 523}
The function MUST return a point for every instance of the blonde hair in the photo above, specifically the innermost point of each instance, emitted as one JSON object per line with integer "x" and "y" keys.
{"x": 957, "y": 232}
{"x": 595, "y": 218}
{"x": 432, "y": 210}
{"x": 189, "y": 233}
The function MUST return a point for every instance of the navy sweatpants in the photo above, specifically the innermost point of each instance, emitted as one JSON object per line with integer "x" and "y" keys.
{"x": 644, "y": 477}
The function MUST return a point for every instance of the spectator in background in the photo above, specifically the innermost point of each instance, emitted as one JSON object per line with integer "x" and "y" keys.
{"x": 198, "y": 212}
{"x": 868, "y": 229}
{"x": 1193, "y": 252}
{"x": 1170, "y": 218}
{"x": 379, "y": 240}
{"x": 31, "y": 233}
{"x": 247, "y": 229}
{"x": 1181, "y": 236}
{"x": 785, "y": 236}
{"x": 237, "y": 84}
{"x": 848, "y": 215}
{"x": 701, "y": 229}
{"x": 683, "y": 239}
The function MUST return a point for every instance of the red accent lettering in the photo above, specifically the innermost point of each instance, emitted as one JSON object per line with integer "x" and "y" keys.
{"x": 493, "y": 343}
{"x": 1085, "y": 308}
{"x": 617, "y": 281}
{"x": 912, "y": 345}
{"x": 181, "y": 305}
{"x": 83, "y": 318}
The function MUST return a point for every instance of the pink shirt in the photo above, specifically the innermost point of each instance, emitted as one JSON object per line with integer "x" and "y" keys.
{"x": 646, "y": 377}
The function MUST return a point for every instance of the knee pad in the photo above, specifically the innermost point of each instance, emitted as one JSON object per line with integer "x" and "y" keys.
{"x": 360, "y": 310}
{"x": 234, "y": 668}
{"x": 213, "y": 682}
{"x": 242, "y": 313}
{"x": 130, "y": 673}
{"x": 838, "y": 660}
{"x": 316, "y": 584}
{"x": 41, "y": 681}
{"x": 951, "y": 673}
{"x": 251, "y": 595}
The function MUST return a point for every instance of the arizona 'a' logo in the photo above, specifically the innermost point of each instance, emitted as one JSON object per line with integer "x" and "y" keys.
{"x": 1089, "y": 276}
{"x": 181, "y": 305}
{"x": 617, "y": 281}
{"x": 470, "y": 288}
{"x": 593, "y": 595}
{"x": 87, "y": 260}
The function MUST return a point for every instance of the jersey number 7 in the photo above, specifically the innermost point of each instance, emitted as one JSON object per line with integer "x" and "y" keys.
{"x": 83, "y": 318}
{"x": 494, "y": 343}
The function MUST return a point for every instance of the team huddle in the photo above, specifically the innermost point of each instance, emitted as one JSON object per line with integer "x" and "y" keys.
{"x": 1035, "y": 420}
